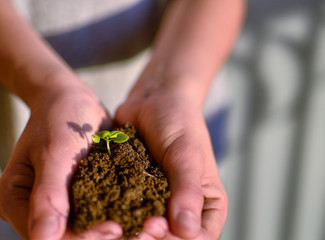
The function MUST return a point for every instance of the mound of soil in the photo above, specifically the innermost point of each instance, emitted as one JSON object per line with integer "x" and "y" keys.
{"x": 126, "y": 186}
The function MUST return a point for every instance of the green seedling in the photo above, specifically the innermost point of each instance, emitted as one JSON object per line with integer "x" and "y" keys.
{"x": 115, "y": 136}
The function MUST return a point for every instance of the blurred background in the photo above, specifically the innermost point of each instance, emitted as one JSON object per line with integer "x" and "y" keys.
{"x": 276, "y": 154}
{"x": 265, "y": 113}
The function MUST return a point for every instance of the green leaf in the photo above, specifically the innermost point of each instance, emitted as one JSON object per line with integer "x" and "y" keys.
{"x": 114, "y": 134}
{"x": 121, "y": 137}
{"x": 96, "y": 138}
{"x": 104, "y": 134}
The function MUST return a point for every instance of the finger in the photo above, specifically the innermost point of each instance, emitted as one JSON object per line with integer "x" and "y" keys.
{"x": 215, "y": 208}
{"x": 15, "y": 186}
{"x": 15, "y": 209}
{"x": 156, "y": 227}
{"x": 107, "y": 230}
{"x": 49, "y": 202}
{"x": 143, "y": 236}
{"x": 183, "y": 166}
{"x": 214, "y": 216}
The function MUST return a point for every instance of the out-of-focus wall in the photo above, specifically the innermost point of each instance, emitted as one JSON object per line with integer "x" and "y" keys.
{"x": 276, "y": 159}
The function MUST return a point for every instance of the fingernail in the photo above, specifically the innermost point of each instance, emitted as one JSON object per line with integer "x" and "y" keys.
{"x": 44, "y": 227}
{"x": 188, "y": 220}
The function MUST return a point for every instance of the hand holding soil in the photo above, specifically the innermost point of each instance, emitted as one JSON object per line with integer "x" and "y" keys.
{"x": 33, "y": 187}
{"x": 173, "y": 127}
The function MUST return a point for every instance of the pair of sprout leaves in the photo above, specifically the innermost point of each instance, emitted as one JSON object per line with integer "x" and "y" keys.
{"x": 108, "y": 136}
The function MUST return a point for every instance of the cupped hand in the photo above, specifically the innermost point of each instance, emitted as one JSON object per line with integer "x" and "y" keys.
{"x": 34, "y": 195}
{"x": 173, "y": 127}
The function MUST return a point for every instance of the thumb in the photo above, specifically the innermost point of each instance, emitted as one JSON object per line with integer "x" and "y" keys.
{"x": 182, "y": 166}
{"x": 49, "y": 202}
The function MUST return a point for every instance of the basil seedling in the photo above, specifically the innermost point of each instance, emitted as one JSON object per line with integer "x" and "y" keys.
{"x": 115, "y": 136}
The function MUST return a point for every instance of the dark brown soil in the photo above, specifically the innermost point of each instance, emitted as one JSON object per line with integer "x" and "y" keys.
{"x": 126, "y": 186}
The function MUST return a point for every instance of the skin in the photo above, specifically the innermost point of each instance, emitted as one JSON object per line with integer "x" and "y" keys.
{"x": 165, "y": 104}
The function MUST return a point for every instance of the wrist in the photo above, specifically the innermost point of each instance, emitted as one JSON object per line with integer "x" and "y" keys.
{"x": 48, "y": 84}
{"x": 159, "y": 80}
{"x": 75, "y": 95}
{"x": 73, "y": 98}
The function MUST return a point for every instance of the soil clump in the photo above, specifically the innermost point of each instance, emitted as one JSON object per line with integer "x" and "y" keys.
{"x": 126, "y": 186}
